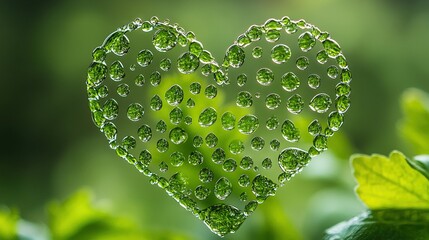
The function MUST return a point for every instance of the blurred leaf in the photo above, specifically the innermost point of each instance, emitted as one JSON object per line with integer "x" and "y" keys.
{"x": 414, "y": 126}
{"x": 386, "y": 183}
{"x": 389, "y": 224}
{"x": 421, "y": 164}
{"x": 8, "y": 224}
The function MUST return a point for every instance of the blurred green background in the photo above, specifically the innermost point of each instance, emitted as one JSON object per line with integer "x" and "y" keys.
{"x": 51, "y": 149}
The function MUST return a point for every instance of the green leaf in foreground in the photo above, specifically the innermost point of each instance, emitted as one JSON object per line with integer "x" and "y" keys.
{"x": 390, "y": 182}
{"x": 421, "y": 164}
{"x": 414, "y": 126}
{"x": 390, "y": 224}
{"x": 8, "y": 224}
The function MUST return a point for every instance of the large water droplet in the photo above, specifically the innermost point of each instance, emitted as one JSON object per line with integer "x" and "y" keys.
{"x": 295, "y": 104}
{"x": 144, "y": 133}
{"x": 195, "y": 88}
{"x": 263, "y": 187}
{"x": 222, "y": 219}
{"x": 229, "y": 165}
{"x": 135, "y": 111}
{"x": 267, "y": 163}
{"x": 246, "y": 163}
{"x": 177, "y": 159}
{"x": 187, "y": 63}
{"x": 174, "y": 95}
{"x": 207, "y": 117}
{"x": 315, "y": 128}
{"x": 320, "y": 142}
{"x": 164, "y": 40}
{"x": 110, "y": 131}
{"x": 335, "y": 120}
{"x": 117, "y": 43}
{"x": 176, "y": 116}
{"x": 223, "y": 188}
{"x": 332, "y": 71}
{"x": 117, "y": 71}
{"x": 236, "y": 147}
{"x": 257, "y": 52}
{"x": 302, "y": 63}
{"x": 110, "y": 109}
{"x": 161, "y": 126}
{"x": 248, "y": 124}
{"x": 306, "y": 41}
{"x": 244, "y": 99}
{"x": 290, "y": 82}
{"x": 275, "y": 145}
{"x": 320, "y": 103}
{"x": 291, "y": 159}
{"x": 280, "y": 53}
{"x": 272, "y": 35}
{"x": 145, "y": 157}
{"x": 272, "y": 101}
{"x": 228, "y": 121}
{"x": 218, "y": 156}
{"x": 264, "y": 76}
{"x": 290, "y": 132}
{"x": 272, "y": 123}
{"x": 332, "y": 48}
{"x": 342, "y": 103}
{"x": 144, "y": 58}
{"x": 195, "y": 158}
{"x": 165, "y": 64}
{"x": 235, "y": 56}
{"x": 155, "y": 103}
{"x": 210, "y": 91}
{"x": 196, "y": 48}
{"x": 254, "y": 33}
{"x": 201, "y": 192}
{"x": 197, "y": 141}
{"x": 97, "y": 72}
{"x": 257, "y": 143}
{"x": 314, "y": 81}
{"x": 140, "y": 80}
{"x": 155, "y": 78}
{"x": 211, "y": 140}
{"x": 178, "y": 135}
{"x": 206, "y": 175}
{"x": 243, "y": 180}
{"x": 162, "y": 145}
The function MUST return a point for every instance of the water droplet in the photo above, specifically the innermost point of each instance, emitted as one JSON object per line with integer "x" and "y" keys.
{"x": 188, "y": 63}
{"x": 145, "y": 57}
{"x": 123, "y": 89}
{"x": 254, "y": 33}
{"x": 290, "y": 132}
{"x": 335, "y": 120}
{"x": 163, "y": 167}
{"x": 257, "y": 143}
{"x": 218, "y": 156}
{"x": 145, "y": 157}
{"x": 147, "y": 26}
{"x": 195, "y": 158}
{"x": 144, "y": 133}
{"x": 188, "y": 120}
{"x": 177, "y": 183}
{"x": 206, "y": 70}
{"x": 248, "y": 124}
{"x": 207, "y": 117}
{"x": 177, "y": 159}
{"x": 222, "y": 218}
{"x": 263, "y": 187}
{"x": 341, "y": 60}
{"x": 332, "y": 72}
{"x": 264, "y": 76}
{"x": 140, "y": 80}
{"x": 195, "y": 88}
{"x": 223, "y": 188}
{"x": 210, "y": 91}
{"x": 117, "y": 71}
{"x": 202, "y": 192}
{"x": 228, "y": 121}
{"x": 235, "y": 56}
{"x": 272, "y": 101}
{"x": 244, "y": 99}
{"x": 280, "y": 53}
{"x": 243, "y": 196}
{"x": 110, "y": 131}
{"x": 295, "y": 104}
{"x": 229, "y": 165}
{"x": 110, "y": 109}
{"x": 343, "y": 89}
{"x": 155, "y": 103}
{"x": 161, "y": 126}
{"x": 322, "y": 57}
{"x": 250, "y": 207}
{"x": 206, "y": 57}
{"x": 320, "y": 103}
{"x": 346, "y": 76}
{"x": 135, "y": 111}
{"x": 342, "y": 103}
{"x": 291, "y": 159}
{"x": 128, "y": 142}
{"x": 320, "y": 142}
{"x": 176, "y": 116}
{"x": 132, "y": 67}
{"x": 290, "y": 82}
{"x": 243, "y": 180}
{"x": 302, "y": 63}
{"x": 190, "y": 103}
{"x": 267, "y": 163}
{"x": 314, "y": 81}
{"x": 272, "y": 24}
{"x": 315, "y": 128}
{"x": 99, "y": 55}
{"x": 174, "y": 95}
{"x": 306, "y": 41}
{"x": 162, "y": 145}
{"x": 165, "y": 64}
{"x": 178, "y": 135}
{"x": 274, "y": 145}
{"x": 164, "y": 40}
{"x": 197, "y": 141}
{"x": 291, "y": 27}
{"x": 211, "y": 140}
{"x": 332, "y": 48}
{"x": 246, "y": 163}
{"x": 241, "y": 80}
{"x": 182, "y": 40}
{"x": 272, "y": 123}
{"x": 117, "y": 43}
{"x": 257, "y": 52}
{"x": 155, "y": 78}
{"x": 206, "y": 175}
{"x": 272, "y": 35}
{"x": 236, "y": 147}
{"x": 196, "y": 48}
{"x": 97, "y": 72}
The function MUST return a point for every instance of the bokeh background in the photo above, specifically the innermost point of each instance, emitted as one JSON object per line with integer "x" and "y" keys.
{"x": 51, "y": 149}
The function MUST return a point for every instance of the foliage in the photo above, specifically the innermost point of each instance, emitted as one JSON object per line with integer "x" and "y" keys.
{"x": 8, "y": 224}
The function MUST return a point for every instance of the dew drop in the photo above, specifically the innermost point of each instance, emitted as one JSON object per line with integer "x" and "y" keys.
{"x": 263, "y": 187}
{"x": 99, "y": 54}
{"x": 176, "y": 116}
{"x": 190, "y": 103}
{"x": 243, "y": 196}
{"x": 291, "y": 27}
{"x": 302, "y": 63}
{"x": 272, "y": 24}
{"x": 155, "y": 103}
{"x": 162, "y": 145}
{"x": 197, "y": 141}
{"x": 228, "y": 121}
{"x": 144, "y": 57}
{"x": 155, "y": 78}
{"x": 161, "y": 126}
{"x": 235, "y": 56}
{"x": 272, "y": 101}
{"x": 163, "y": 167}
{"x": 210, "y": 91}
{"x": 97, "y": 72}
{"x": 195, "y": 158}
{"x": 118, "y": 43}
{"x": 272, "y": 123}
{"x": 110, "y": 131}
{"x": 342, "y": 103}
{"x": 306, "y": 41}
{"x": 145, "y": 157}
{"x": 187, "y": 63}
{"x": 264, "y": 76}
{"x": 290, "y": 132}
{"x": 110, "y": 109}
{"x": 332, "y": 72}
{"x": 177, "y": 159}
{"x": 140, "y": 80}
{"x": 178, "y": 135}
{"x": 267, "y": 163}
{"x": 250, "y": 207}
{"x": 272, "y": 35}
{"x": 223, "y": 188}
{"x": 320, "y": 142}
{"x": 248, "y": 124}
{"x": 274, "y": 145}
{"x": 246, "y": 163}
{"x": 123, "y": 90}
{"x": 211, "y": 140}
{"x": 332, "y": 48}
{"x": 223, "y": 219}
{"x": 320, "y": 103}
{"x": 291, "y": 159}
{"x": 315, "y": 128}
{"x": 346, "y": 76}
{"x": 135, "y": 111}
{"x": 341, "y": 60}
{"x": 290, "y": 82}
{"x": 188, "y": 120}
{"x": 335, "y": 120}
{"x": 229, "y": 165}
{"x": 132, "y": 67}
{"x": 257, "y": 143}
{"x": 244, "y": 180}
{"x": 201, "y": 192}
{"x": 103, "y": 91}
{"x": 117, "y": 71}
{"x": 254, "y": 33}
{"x": 206, "y": 57}
{"x": 207, "y": 117}
{"x": 144, "y": 133}
{"x": 206, "y": 175}
{"x": 218, "y": 156}
{"x": 174, "y": 95}
{"x": 164, "y": 40}
{"x": 195, "y": 88}
{"x": 322, "y": 57}
{"x": 129, "y": 142}
{"x": 236, "y": 147}
{"x": 257, "y": 52}
{"x": 343, "y": 89}
{"x": 244, "y": 99}
{"x": 147, "y": 26}
{"x": 196, "y": 48}
{"x": 241, "y": 80}
{"x": 295, "y": 104}
{"x": 280, "y": 53}
{"x": 165, "y": 64}
{"x": 314, "y": 81}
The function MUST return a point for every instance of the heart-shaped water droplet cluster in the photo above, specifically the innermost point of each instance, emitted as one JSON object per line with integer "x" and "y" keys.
{"x": 219, "y": 138}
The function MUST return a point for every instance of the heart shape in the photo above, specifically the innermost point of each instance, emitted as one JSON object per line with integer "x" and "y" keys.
{"x": 210, "y": 134}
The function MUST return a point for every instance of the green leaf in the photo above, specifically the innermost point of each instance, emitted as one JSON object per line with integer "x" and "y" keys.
{"x": 389, "y": 224}
{"x": 390, "y": 182}
{"x": 8, "y": 224}
{"x": 421, "y": 164}
{"x": 414, "y": 126}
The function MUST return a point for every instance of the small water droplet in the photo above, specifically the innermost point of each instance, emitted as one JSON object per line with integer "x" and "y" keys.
{"x": 267, "y": 163}
{"x": 272, "y": 35}
{"x": 103, "y": 91}
{"x": 123, "y": 90}
{"x": 290, "y": 132}
{"x": 144, "y": 133}
{"x": 332, "y": 48}
{"x": 177, "y": 159}
{"x": 206, "y": 57}
{"x": 188, "y": 120}
{"x": 248, "y": 124}
{"x": 306, "y": 41}
{"x": 314, "y": 81}
{"x": 322, "y": 57}
{"x": 210, "y": 91}
{"x": 132, "y": 67}
{"x": 147, "y": 26}
{"x": 280, "y": 53}
{"x": 342, "y": 62}
{"x": 197, "y": 141}
{"x": 263, "y": 187}
{"x": 235, "y": 56}
{"x": 110, "y": 109}
{"x": 196, "y": 48}
{"x": 343, "y": 89}
{"x": 117, "y": 71}
{"x": 178, "y": 135}
{"x": 110, "y": 131}
{"x": 264, "y": 76}
{"x": 315, "y": 128}
{"x": 332, "y": 72}
{"x": 211, "y": 140}
{"x": 257, "y": 52}
{"x": 218, "y": 156}
{"x": 155, "y": 103}
{"x": 188, "y": 63}
{"x": 243, "y": 196}
{"x": 244, "y": 99}
{"x": 335, "y": 120}
{"x": 295, "y": 104}
{"x": 302, "y": 63}
{"x": 228, "y": 121}
{"x": 190, "y": 103}
{"x": 144, "y": 57}
{"x": 236, "y": 147}
{"x": 207, "y": 117}
{"x": 342, "y": 103}
{"x": 163, "y": 167}
{"x": 320, "y": 103}
{"x": 135, "y": 111}
{"x": 320, "y": 142}
{"x": 176, "y": 116}
{"x": 145, "y": 157}
{"x": 246, "y": 163}
{"x": 272, "y": 101}
{"x": 244, "y": 180}
{"x": 250, "y": 207}
{"x": 165, "y": 64}
{"x": 140, "y": 80}
{"x": 195, "y": 158}
{"x": 174, "y": 95}
{"x": 155, "y": 78}
{"x": 202, "y": 192}
{"x": 162, "y": 145}
{"x": 99, "y": 54}
{"x": 164, "y": 40}
{"x": 274, "y": 145}
{"x": 206, "y": 175}
{"x": 257, "y": 143}
{"x": 291, "y": 159}
{"x": 195, "y": 88}
{"x": 161, "y": 126}
{"x": 290, "y": 82}
{"x": 223, "y": 188}
{"x": 128, "y": 142}
{"x": 272, "y": 123}
{"x": 254, "y": 33}
{"x": 346, "y": 76}
{"x": 229, "y": 165}
{"x": 118, "y": 43}
{"x": 241, "y": 80}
